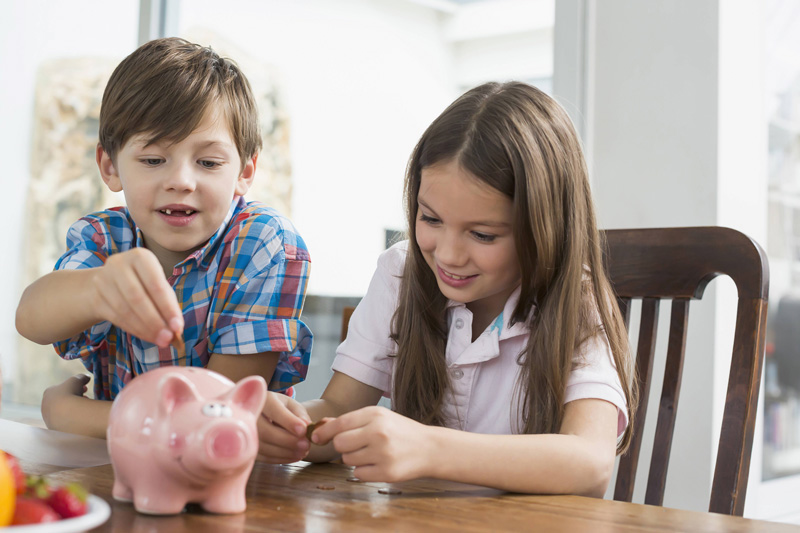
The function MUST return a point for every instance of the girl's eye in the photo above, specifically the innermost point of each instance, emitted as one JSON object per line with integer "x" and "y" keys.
{"x": 430, "y": 220}
{"x": 208, "y": 164}
{"x": 484, "y": 237}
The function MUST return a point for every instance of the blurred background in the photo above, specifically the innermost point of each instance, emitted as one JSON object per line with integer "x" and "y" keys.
{"x": 689, "y": 111}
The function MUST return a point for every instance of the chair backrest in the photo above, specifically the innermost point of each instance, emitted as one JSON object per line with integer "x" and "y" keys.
{"x": 677, "y": 264}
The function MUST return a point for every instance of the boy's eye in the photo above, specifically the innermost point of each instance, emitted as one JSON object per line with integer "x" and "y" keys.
{"x": 152, "y": 161}
{"x": 484, "y": 237}
{"x": 208, "y": 164}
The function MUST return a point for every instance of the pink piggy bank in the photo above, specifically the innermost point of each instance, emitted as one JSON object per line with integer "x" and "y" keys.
{"x": 184, "y": 434}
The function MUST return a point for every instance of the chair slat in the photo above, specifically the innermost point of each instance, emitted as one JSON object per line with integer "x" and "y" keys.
{"x": 624, "y": 305}
{"x": 730, "y": 484}
{"x": 645, "y": 350}
{"x": 668, "y": 408}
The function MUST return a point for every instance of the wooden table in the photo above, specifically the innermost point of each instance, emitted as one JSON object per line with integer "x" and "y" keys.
{"x": 306, "y": 497}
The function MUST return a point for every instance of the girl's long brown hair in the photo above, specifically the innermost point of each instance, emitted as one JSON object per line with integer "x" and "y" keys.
{"x": 521, "y": 142}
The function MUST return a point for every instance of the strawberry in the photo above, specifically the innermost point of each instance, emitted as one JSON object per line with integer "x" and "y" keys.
{"x": 32, "y": 511}
{"x": 69, "y": 500}
{"x": 16, "y": 471}
{"x": 37, "y": 487}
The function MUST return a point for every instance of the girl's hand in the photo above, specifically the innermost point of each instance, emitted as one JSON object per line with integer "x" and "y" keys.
{"x": 131, "y": 292}
{"x": 381, "y": 444}
{"x": 282, "y": 430}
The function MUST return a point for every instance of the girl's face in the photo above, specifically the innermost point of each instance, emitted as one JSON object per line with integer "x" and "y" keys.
{"x": 464, "y": 229}
{"x": 179, "y": 194}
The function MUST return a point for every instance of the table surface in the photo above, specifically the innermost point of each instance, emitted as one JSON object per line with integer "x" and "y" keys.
{"x": 323, "y": 497}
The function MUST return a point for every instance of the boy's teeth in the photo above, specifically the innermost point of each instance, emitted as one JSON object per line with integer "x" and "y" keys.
{"x": 168, "y": 211}
{"x": 188, "y": 211}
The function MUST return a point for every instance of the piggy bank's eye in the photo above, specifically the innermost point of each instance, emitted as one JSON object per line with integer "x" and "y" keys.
{"x": 212, "y": 409}
{"x": 227, "y": 412}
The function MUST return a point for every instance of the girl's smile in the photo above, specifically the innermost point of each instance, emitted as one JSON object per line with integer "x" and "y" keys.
{"x": 464, "y": 230}
{"x": 454, "y": 280}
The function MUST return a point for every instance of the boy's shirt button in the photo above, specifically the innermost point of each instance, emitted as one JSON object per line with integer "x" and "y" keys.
{"x": 459, "y": 323}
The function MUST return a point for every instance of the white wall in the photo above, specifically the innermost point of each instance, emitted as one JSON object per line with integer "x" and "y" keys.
{"x": 32, "y": 32}
{"x": 362, "y": 80}
{"x": 670, "y": 107}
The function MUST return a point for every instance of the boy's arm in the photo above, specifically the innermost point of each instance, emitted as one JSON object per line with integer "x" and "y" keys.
{"x": 240, "y": 366}
{"x": 129, "y": 290}
{"x": 64, "y": 408}
{"x": 57, "y": 306}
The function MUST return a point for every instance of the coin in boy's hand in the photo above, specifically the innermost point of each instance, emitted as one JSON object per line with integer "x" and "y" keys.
{"x": 311, "y": 427}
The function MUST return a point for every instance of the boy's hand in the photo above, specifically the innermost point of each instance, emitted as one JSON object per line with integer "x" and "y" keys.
{"x": 54, "y": 396}
{"x": 381, "y": 444}
{"x": 131, "y": 292}
{"x": 282, "y": 430}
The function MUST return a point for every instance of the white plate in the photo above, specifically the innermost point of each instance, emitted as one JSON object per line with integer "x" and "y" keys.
{"x": 96, "y": 514}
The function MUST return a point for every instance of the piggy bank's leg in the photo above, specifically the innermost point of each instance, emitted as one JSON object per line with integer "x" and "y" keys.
{"x": 158, "y": 500}
{"x": 121, "y": 492}
{"x": 229, "y": 498}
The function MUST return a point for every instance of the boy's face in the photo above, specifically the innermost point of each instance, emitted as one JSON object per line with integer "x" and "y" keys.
{"x": 179, "y": 194}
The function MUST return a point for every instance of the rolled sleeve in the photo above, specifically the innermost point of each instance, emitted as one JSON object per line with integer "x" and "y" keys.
{"x": 595, "y": 377}
{"x": 260, "y": 310}
{"x": 365, "y": 355}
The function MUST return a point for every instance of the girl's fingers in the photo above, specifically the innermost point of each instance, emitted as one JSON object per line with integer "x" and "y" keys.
{"x": 351, "y": 440}
{"x": 347, "y": 422}
{"x": 369, "y": 473}
{"x": 359, "y": 457}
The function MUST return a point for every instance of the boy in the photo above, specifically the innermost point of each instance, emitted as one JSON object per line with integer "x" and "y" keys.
{"x": 188, "y": 260}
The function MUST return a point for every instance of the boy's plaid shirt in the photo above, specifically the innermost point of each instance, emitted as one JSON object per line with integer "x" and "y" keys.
{"x": 241, "y": 293}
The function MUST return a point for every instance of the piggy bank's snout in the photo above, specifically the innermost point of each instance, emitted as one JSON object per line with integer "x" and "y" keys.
{"x": 228, "y": 443}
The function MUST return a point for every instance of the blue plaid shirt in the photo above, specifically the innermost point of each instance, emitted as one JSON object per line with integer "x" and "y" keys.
{"x": 241, "y": 293}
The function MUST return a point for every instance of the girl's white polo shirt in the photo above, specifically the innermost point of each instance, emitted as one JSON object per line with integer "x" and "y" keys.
{"x": 483, "y": 373}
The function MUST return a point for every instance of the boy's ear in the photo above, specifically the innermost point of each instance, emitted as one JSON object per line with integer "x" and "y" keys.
{"x": 107, "y": 169}
{"x": 246, "y": 177}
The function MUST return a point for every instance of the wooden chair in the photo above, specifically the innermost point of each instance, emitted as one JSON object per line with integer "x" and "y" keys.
{"x": 677, "y": 264}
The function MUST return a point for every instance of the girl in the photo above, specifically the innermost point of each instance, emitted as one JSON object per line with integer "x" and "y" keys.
{"x": 492, "y": 329}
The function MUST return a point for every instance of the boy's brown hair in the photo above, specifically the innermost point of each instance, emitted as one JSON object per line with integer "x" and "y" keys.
{"x": 164, "y": 88}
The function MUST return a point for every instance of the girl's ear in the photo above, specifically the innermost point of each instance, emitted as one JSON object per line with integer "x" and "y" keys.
{"x": 245, "y": 179}
{"x": 107, "y": 169}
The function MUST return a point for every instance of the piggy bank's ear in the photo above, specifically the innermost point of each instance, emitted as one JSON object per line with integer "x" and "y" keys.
{"x": 174, "y": 390}
{"x": 250, "y": 394}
